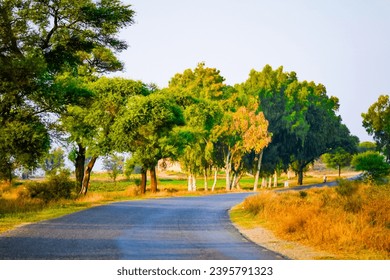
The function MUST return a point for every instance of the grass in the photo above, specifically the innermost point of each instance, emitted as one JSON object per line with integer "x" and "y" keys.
{"x": 351, "y": 221}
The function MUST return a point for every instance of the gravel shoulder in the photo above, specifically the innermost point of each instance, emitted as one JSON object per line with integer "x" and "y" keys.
{"x": 292, "y": 250}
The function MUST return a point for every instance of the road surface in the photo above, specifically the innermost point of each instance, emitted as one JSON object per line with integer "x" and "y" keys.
{"x": 186, "y": 228}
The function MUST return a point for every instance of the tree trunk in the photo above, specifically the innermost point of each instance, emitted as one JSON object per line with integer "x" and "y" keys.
{"x": 153, "y": 180}
{"x": 206, "y": 187}
{"x": 215, "y": 179}
{"x": 143, "y": 180}
{"x": 80, "y": 165}
{"x": 10, "y": 175}
{"x": 258, "y": 171}
{"x": 189, "y": 182}
{"x": 194, "y": 182}
{"x": 269, "y": 182}
{"x": 263, "y": 183}
{"x": 339, "y": 170}
{"x": 237, "y": 181}
{"x": 227, "y": 170}
{"x": 300, "y": 176}
{"x": 275, "y": 179}
{"x": 233, "y": 181}
{"x": 87, "y": 175}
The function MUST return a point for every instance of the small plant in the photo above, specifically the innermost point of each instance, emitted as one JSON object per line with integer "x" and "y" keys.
{"x": 302, "y": 194}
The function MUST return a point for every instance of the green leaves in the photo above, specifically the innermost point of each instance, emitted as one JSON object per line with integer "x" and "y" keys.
{"x": 377, "y": 123}
{"x": 372, "y": 163}
{"x": 302, "y": 118}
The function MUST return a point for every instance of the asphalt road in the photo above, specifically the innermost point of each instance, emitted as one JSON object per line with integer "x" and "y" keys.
{"x": 187, "y": 228}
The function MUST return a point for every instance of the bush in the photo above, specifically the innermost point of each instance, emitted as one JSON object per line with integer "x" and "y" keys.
{"x": 346, "y": 188}
{"x": 372, "y": 163}
{"x": 302, "y": 194}
{"x": 57, "y": 187}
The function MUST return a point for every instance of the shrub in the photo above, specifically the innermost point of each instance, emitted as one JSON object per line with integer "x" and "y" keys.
{"x": 346, "y": 188}
{"x": 57, "y": 187}
{"x": 372, "y": 163}
{"x": 302, "y": 194}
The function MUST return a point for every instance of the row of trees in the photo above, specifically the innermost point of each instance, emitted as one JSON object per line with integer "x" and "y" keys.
{"x": 207, "y": 125}
{"x": 53, "y": 55}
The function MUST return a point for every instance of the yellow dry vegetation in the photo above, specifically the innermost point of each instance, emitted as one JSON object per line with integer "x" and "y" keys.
{"x": 351, "y": 221}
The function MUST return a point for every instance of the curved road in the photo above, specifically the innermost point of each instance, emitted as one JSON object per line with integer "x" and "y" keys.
{"x": 174, "y": 228}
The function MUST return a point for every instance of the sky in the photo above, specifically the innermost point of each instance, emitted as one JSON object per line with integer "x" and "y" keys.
{"x": 342, "y": 44}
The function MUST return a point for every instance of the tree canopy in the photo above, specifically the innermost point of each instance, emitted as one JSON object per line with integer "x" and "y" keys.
{"x": 377, "y": 123}
{"x": 43, "y": 46}
{"x": 302, "y": 118}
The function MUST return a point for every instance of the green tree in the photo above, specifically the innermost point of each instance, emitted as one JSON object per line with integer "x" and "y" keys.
{"x": 53, "y": 162}
{"x": 269, "y": 88}
{"x": 114, "y": 165}
{"x": 377, "y": 123}
{"x": 197, "y": 155}
{"x": 202, "y": 82}
{"x": 372, "y": 163}
{"x": 146, "y": 128}
{"x": 239, "y": 133}
{"x": 200, "y": 92}
{"x": 303, "y": 120}
{"x": 23, "y": 140}
{"x": 90, "y": 126}
{"x": 337, "y": 159}
{"x": 366, "y": 146}
{"x": 39, "y": 41}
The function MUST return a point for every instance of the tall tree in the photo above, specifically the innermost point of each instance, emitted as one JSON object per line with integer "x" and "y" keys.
{"x": 338, "y": 159}
{"x": 200, "y": 92}
{"x": 319, "y": 128}
{"x": 269, "y": 88}
{"x": 377, "y": 123}
{"x": 40, "y": 40}
{"x": 90, "y": 126}
{"x": 197, "y": 156}
{"x": 303, "y": 120}
{"x": 146, "y": 128}
{"x": 239, "y": 133}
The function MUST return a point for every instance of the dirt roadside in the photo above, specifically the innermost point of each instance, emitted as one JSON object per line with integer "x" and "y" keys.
{"x": 265, "y": 238}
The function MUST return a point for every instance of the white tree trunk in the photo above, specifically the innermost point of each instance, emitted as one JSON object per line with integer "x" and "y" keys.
{"x": 193, "y": 182}
{"x": 189, "y": 182}
{"x": 215, "y": 179}
{"x": 258, "y": 172}
{"x": 206, "y": 188}
{"x": 275, "y": 180}
{"x": 227, "y": 170}
{"x": 269, "y": 182}
{"x": 263, "y": 183}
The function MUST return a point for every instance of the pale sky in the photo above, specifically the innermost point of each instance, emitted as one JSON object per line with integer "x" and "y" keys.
{"x": 343, "y": 44}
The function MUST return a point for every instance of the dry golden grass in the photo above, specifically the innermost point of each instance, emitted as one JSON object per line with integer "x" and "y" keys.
{"x": 351, "y": 225}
